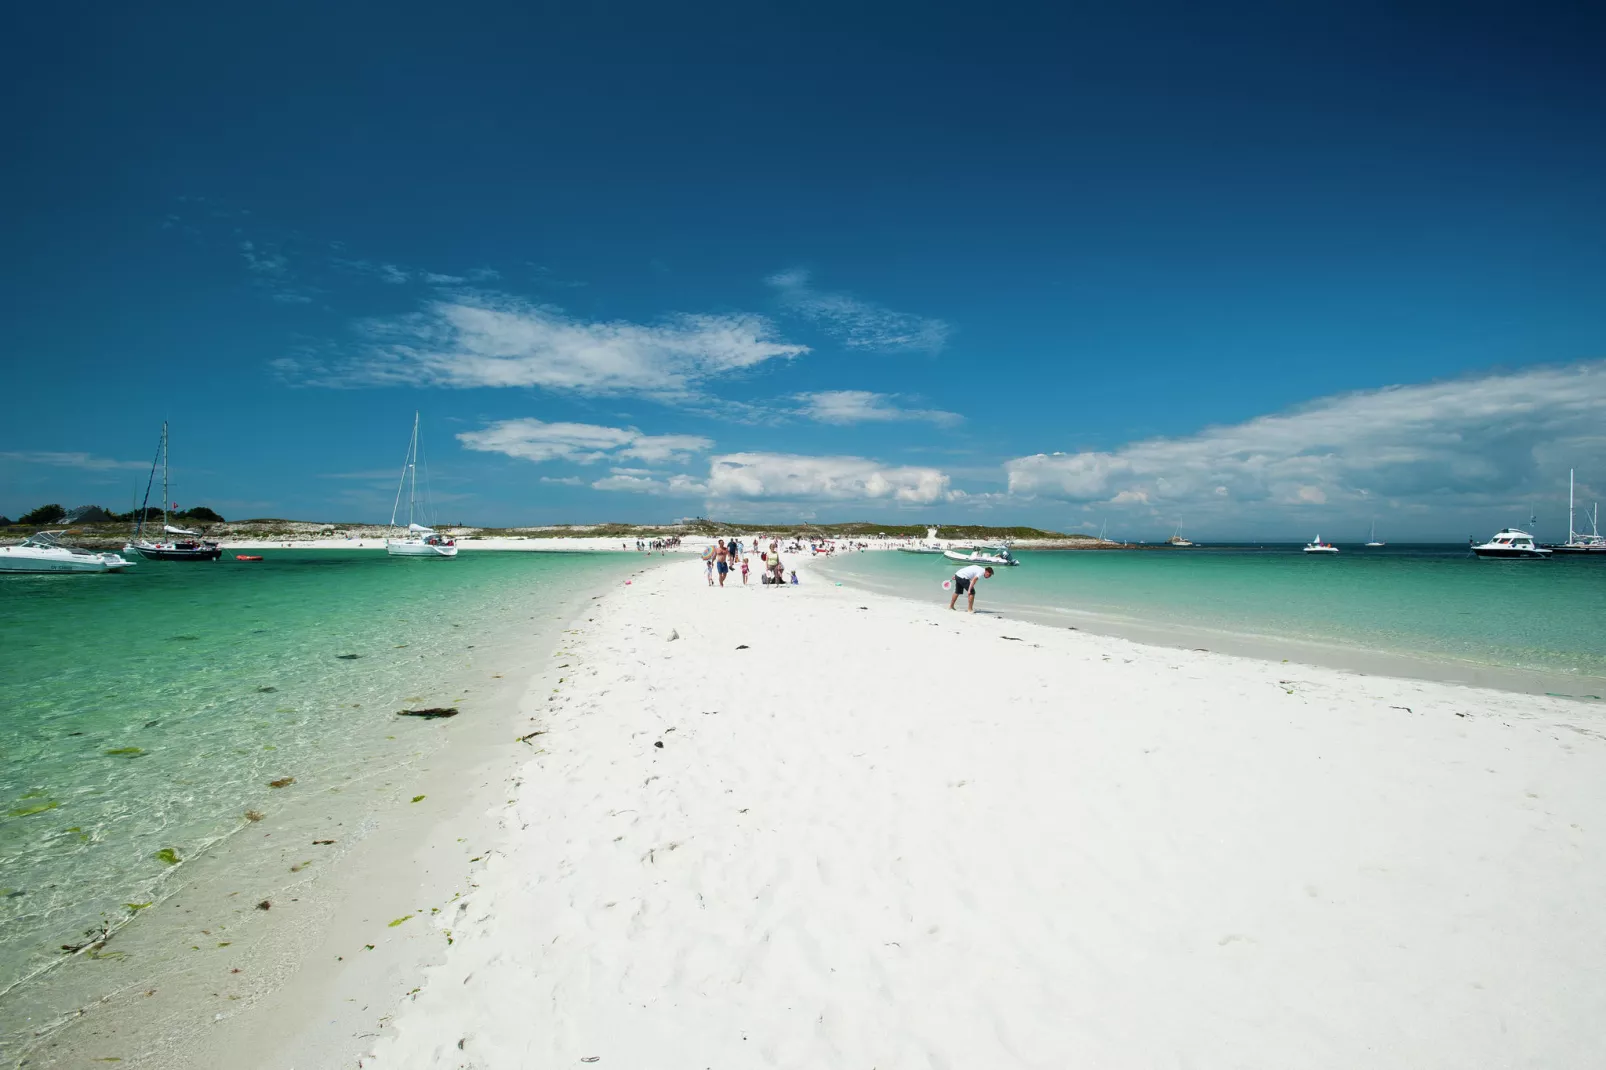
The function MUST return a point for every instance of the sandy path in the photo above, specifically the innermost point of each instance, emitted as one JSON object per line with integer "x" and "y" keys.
{"x": 884, "y": 835}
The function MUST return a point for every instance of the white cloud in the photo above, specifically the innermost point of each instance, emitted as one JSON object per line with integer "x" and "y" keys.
{"x": 738, "y": 478}
{"x": 862, "y": 406}
{"x": 437, "y": 279}
{"x": 1485, "y": 442}
{"x": 264, "y": 261}
{"x": 536, "y": 440}
{"x": 859, "y": 324}
{"x": 567, "y": 481}
{"x": 494, "y": 340}
{"x": 86, "y": 461}
{"x": 747, "y": 476}
{"x": 640, "y": 481}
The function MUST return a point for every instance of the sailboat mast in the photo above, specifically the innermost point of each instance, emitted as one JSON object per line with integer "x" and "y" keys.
{"x": 412, "y": 492}
{"x": 164, "y": 477}
{"x": 1571, "y": 537}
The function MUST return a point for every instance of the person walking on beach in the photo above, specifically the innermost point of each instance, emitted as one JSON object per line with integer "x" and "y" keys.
{"x": 708, "y": 565}
{"x": 744, "y": 570}
{"x": 965, "y": 581}
{"x": 722, "y": 562}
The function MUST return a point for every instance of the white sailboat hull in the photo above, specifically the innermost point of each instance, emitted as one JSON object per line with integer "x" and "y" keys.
{"x": 417, "y": 548}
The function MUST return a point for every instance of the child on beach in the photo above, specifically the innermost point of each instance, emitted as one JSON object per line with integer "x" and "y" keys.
{"x": 744, "y": 570}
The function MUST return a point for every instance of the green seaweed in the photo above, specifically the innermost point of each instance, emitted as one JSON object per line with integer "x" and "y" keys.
{"x": 136, "y": 907}
{"x": 418, "y": 798}
{"x": 132, "y": 752}
{"x": 167, "y": 855}
{"x": 398, "y": 921}
{"x": 36, "y": 808}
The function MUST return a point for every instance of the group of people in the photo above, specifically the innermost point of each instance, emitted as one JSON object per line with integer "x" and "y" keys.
{"x": 647, "y": 546}
{"x": 725, "y": 557}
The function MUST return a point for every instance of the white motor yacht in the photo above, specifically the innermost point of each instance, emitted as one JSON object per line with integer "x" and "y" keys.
{"x": 1317, "y": 546}
{"x": 44, "y": 552}
{"x": 1510, "y": 542}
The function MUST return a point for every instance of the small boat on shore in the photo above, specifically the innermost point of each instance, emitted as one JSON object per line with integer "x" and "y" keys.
{"x": 44, "y": 551}
{"x": 177, "y": 544}
{"x": 1317, "y": 546}
{"x": 1511, "y": 543}
{"x": 419, "y": 541}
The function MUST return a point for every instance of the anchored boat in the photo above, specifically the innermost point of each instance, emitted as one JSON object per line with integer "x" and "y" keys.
{"x": 1578, "y": 542}
{"x": 176, "y": 544}
{"x": 45, "y": 552}
{"x": 420, "y": 541}
{"x": 1511, "y": 543}
{"x": 1317, "y": 546}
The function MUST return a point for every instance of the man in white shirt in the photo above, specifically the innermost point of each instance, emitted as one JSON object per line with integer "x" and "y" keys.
{"x": 965, "y": 581}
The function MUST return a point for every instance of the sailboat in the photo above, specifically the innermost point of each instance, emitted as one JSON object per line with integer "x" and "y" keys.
{"x": 419, "y": 540}
{"x": 175, "y": 544}
{"x": 1176, "y": 539}
{"x": 1373, "y": 543}
{"x": 1578, "y": 542}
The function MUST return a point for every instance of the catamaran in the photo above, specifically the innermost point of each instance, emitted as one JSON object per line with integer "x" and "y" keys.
{"x": 419, "y": 540}
{"x": 176, "y": 544}
{"x": 1578, "y": 542}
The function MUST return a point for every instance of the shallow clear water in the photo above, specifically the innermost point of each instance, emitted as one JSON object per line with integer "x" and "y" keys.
{"x": 1435, "y": 602}
{"x": 145, "y": 712}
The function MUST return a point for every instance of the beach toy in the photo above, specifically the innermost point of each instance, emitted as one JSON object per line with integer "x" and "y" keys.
{"x": 627, "y": 583}
{"x": 947, "y": 585}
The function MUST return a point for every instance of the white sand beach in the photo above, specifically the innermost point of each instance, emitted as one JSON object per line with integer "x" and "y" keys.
{"x": 810, "y": 827}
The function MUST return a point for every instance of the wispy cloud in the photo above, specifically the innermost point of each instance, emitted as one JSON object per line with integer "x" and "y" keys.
{"x": 567, "y": 481}
{"x": 785, "y": 477}
{"x": 86, "y": 461}
{"x": 536, "y": 440}
{"x": 857, "y": 323}
{"x": 863, "y": 406}
{"x": 495, "y": 340}
{"x": 1492, "y": 441}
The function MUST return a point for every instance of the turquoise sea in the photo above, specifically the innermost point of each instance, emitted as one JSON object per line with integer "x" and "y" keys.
{"x": 145, "y": 713}
{"x": 1437, "y": 603}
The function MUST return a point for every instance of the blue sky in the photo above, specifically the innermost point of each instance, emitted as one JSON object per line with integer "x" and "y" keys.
{"x": 1258, "y": 269}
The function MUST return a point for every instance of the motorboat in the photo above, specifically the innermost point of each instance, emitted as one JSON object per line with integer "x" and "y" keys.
{"x": 1317, "y": 546}
{"x": 1511, "y": 543}
{"x": 419, "y": 539}
{"x": 928, "y": 545}
{"x": 990, "y": 555}
{"x": 1577, "y": 541}
{"x": 175, "y": 544}
{"x": 45, "y": 552}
